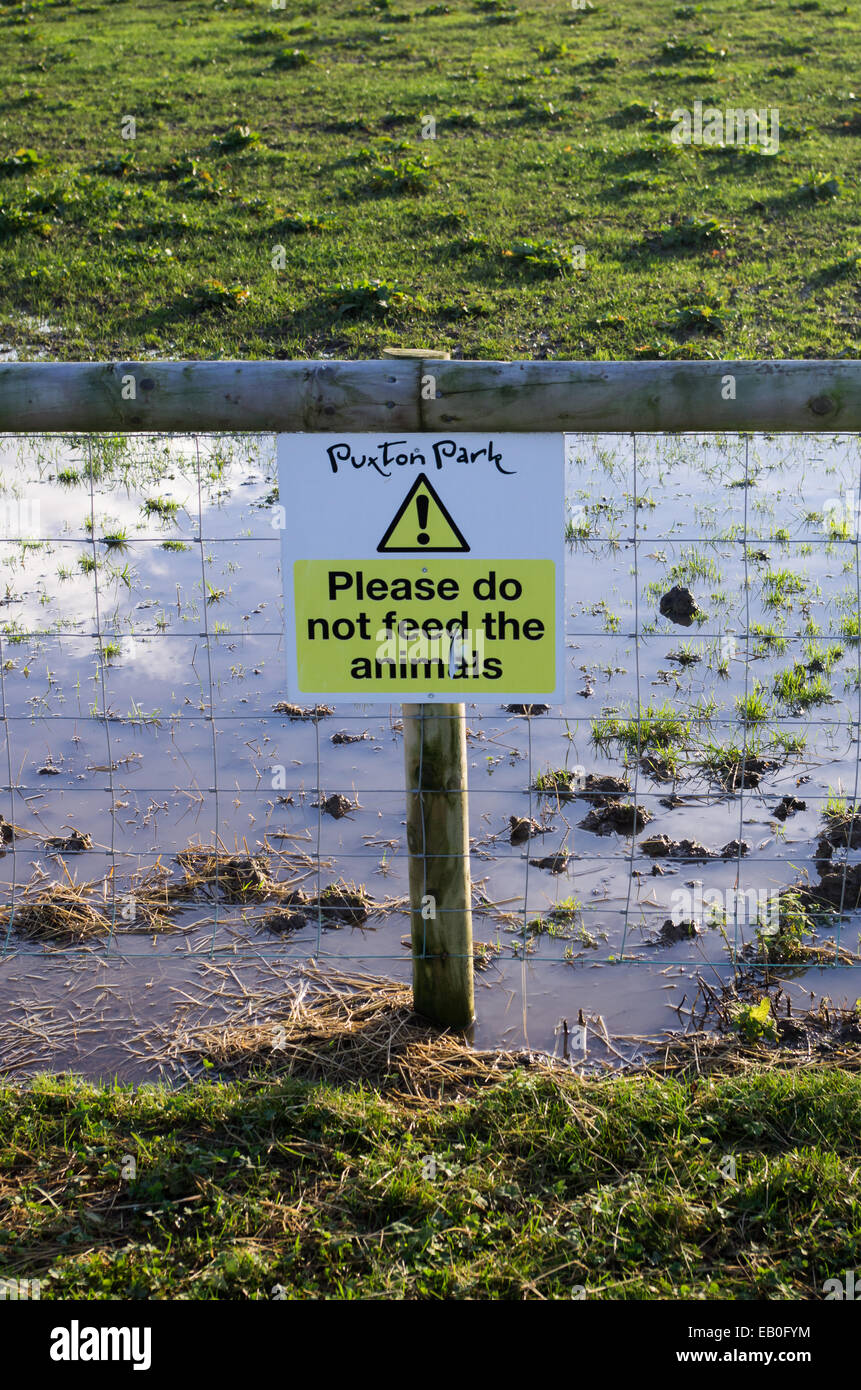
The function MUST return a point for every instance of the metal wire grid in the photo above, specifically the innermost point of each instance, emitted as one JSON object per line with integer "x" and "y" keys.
{"x": 254, "y": 949}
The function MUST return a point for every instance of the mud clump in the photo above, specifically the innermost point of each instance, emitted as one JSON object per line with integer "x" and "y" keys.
{"x": 788, "y": 807}
{"x": 237, "y": 876}
{"x": 558, "y": 783}
{"x": 672, "y": 932}
{"x": 61, "y": 916}
{"x": 70, "y": 844}
{"x": 554, "y": 863}
{"x": 826, "y": 1029}
{"x": 484, "y": 954}
{"x": 283, "y": 922}
{"x": 343, "y": 903}
{"x": 621, "y": 817}
{"x": 679, "y": 605}
{"x": 522, "y": 828}
{"x": 682, "y": 658}
{"x": 289, "y": 915}
{"x": 774, "y": 1034}
{"x": 754, "y": 771}
{"x": 840, "y": 887}
{"x": 342, "y": 736}
{"x": 600, "y": 790}
{"x": 303, "y": 712}
{"x": 659, "y": 769}
{"x": 527, "y": 710}
{"x": 337, "y": 806}
{"x": 662, "y": 847}
{"x": 733, "y": 849}
{"x": 71, "y": 913}
{"x": 736, "y": 774}
{"x": 843, "y": 831}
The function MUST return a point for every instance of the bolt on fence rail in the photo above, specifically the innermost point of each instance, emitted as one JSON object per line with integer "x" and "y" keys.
{"x": 432, "y": 394}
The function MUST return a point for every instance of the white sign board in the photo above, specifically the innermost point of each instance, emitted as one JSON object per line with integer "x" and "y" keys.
{"x": 423, "y": 567}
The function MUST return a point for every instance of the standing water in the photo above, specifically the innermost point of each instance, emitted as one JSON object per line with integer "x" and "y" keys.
{"x": 141, "y": 670}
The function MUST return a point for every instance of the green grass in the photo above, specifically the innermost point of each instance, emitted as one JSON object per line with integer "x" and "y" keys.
{"x": 657, "y": 728}
{"x": 796, "y": 688}
{"x": 115, "y": 540}
{"x": 838, "y": 808}
{"x": 726, "y": 760}
{"x": 564, "y": 920}
{"x": 778, "y": 587}
{"x": 279, "y": 163}
{"x": 770, "y": 639}
{"x": 162, "y": 507}
{"x": 821, "y": 657}
{"x": 782, "y": 936}
{"x": 788, "y": 742}
{"x": 686, "y": 654}
{"x": 754, "y": 1021}
{"x": 753, "y": 708}
{"x": 556, "y": 782}
{"x": 694, "y": 566}
{"x": 525, "y": 1188}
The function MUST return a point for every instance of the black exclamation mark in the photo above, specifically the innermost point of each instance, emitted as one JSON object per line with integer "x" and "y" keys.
{"x": 422, "y": 507}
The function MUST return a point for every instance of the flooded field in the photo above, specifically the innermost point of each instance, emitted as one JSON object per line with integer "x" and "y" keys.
{"x": 141, "y": 664}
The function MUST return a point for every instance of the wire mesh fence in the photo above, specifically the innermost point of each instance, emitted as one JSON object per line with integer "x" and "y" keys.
{"x": 688, "y": 817}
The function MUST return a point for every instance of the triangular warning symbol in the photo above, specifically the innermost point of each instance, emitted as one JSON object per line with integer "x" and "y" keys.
{"x": 422, "y": 523}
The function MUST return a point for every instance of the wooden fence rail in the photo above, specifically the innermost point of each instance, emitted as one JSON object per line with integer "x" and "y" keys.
{"x": 429, "y": 394}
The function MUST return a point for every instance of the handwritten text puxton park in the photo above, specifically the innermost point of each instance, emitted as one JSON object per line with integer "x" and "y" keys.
{"x": 442, "y": 451}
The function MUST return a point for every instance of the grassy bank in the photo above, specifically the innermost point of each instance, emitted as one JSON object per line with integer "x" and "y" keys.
{"x": 525, "y": 1187}
{"x": 278, "y": 196}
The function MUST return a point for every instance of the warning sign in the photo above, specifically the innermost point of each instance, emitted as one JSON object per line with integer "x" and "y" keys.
{"x": 420, "y": 567}
{"x": 422, "y": 523}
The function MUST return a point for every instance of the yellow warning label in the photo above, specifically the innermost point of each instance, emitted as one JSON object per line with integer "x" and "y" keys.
{"x": 422, "y": 523}
{"x": 443, "y": 626}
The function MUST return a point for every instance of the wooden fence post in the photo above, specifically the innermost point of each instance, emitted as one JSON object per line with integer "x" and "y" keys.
{"x": 438, "y": 844}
